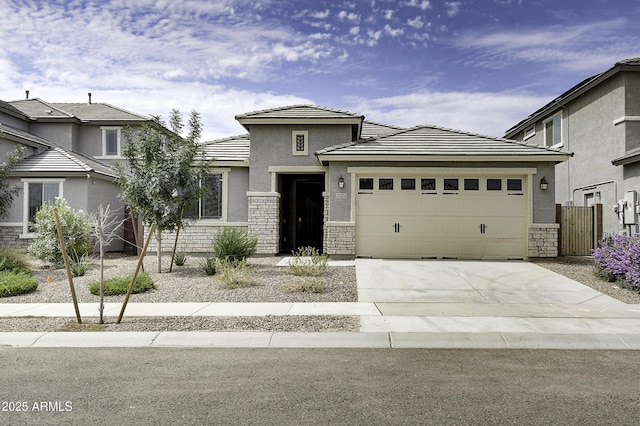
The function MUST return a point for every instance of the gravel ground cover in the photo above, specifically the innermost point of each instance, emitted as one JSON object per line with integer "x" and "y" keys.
{"x": 189, "y": 283}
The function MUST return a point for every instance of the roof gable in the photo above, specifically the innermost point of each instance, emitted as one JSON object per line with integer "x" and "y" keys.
{"x": 578, "y": 89}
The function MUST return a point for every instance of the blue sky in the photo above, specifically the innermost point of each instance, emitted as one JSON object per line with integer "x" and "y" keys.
{"x": 473, "y": 65}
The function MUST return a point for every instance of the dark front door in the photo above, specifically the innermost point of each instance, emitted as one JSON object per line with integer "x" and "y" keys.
{"x": 302, "y": 211}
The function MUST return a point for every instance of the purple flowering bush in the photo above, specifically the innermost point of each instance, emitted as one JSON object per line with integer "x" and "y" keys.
{"x": 618, "y": 259}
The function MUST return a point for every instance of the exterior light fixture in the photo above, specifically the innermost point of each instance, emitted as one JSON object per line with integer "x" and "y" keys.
{"x": 341, "y": 182}
{"x": 544, "y": 184}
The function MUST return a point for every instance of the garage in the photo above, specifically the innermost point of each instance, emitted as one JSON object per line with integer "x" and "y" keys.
{"x": 469, "y": 216}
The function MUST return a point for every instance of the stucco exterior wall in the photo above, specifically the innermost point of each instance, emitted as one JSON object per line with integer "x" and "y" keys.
{"x": 238, "y": 209}
{"x": 62, "y": 134}
{"x": 271, "y": 146}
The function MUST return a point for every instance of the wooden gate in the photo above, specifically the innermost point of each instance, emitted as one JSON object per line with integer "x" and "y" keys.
{"x": 580, "y": 229}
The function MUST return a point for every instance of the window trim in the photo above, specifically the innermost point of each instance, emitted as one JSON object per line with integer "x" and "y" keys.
{"x": 224, "y": 200}
{"x": 25, "y": 199}
{"x": 294, "y": 135}
{"x": 529, "y": 132}
{"x": 104, "y": 130}
{"x": 551, "y": 119}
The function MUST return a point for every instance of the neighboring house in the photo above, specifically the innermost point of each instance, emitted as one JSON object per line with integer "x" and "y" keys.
{"x": 598, "y": 120}
{"x": 69, "y": 148}
{"x": 306, "y": 175}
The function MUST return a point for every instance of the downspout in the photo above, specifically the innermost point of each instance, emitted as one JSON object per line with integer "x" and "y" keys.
{"x": 595, "y": 185}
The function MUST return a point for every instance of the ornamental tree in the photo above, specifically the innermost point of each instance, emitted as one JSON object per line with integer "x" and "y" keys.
{"x": 7, "y": 192}
{"x": 161, "y": 172}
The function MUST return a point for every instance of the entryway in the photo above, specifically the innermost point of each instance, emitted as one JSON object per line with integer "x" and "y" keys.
{"x": 301, "y": 211}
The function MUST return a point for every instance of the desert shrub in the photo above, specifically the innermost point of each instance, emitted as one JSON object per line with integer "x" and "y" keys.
{"x": 15, "y": 282}
{"x": 13, "y": 260}
{"x": 180, "y": 258}
{"x": 80, "y": 264}
{"x": 76, "y": 229}
{"x": 618, "y": 259}
{"x": 304, "y": 284}
{"x": 208, "y": 264}
{"x": 235, "y": 244}
{"x": 307, "y": 262}
{"x": 120, "y": 285}
{"x": 233, "y": 274}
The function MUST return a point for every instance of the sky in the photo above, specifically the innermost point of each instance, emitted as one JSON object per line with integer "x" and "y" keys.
{"x": 475, "y": 65}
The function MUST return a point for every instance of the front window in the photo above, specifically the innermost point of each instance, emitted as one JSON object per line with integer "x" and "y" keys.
{"x": 110, "y": 141}
{"x": 37, "y": 193}
{"x": 553, "y": 131}
{"x": 210, "y": 205}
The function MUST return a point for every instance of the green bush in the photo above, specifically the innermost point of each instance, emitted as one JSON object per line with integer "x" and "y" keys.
{"x": 76, "y": 228}
{"x": 235, "y": 244}
{"x": 234, "y": 274}
{"x": 307, "y": 262}
{"x": 208, "y": 264}
{"x": 304, "y": 284}
{"x": 180, "y": 258}
{"x": 13, "y": 283}
{"x": 120, "y": 285}
{"x": 13, "y": 260}
{"x": 80, "y": 264}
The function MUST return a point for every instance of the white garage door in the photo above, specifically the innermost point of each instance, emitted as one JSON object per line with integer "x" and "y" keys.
{"x": 441, "y": 217}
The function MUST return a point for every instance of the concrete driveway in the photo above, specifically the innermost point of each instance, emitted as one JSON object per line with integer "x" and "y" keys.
{"x": 452, "y": 296}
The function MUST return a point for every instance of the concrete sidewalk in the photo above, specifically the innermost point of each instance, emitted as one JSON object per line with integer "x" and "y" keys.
{"x": 402, "y": 304}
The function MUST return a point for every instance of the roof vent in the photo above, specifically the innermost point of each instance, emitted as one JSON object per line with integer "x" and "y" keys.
{"x": 27, "y": 92}
{"x": 89, "y": 97}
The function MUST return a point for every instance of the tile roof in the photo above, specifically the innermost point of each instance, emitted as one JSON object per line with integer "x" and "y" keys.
{"x": 37, "y": 109}
{"x": 234, "y": 148}
{"x": 371, "y": 129}
{"x": 299, "y": 111}
{"x": 578, "y": 88}
{"x": 7, "y": 107}
{"x": 422, "y": 143}
{"x": 22, "y": 136}
{"x": 59, "y": 160}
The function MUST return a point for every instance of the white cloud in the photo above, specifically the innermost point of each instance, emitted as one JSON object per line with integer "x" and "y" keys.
{"x": 388, "y": 14}
{"x": 393, "y": 32}
{"x": 421, "y": 4}
{"x": 416, "y": 23}
{"x": 320, "y": 15}
{"x": 571, "y": 47}
{"x": 354, "y": 30}
{"x": 349, "y": 16}
{"x": 453, "y": 8}
{"x": 484, "y": 113}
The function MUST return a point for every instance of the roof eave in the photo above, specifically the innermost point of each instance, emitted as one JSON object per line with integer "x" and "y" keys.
{"x": 554, "y": 157}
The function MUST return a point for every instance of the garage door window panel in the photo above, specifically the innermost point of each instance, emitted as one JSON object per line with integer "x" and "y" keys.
{"x": 428, "y": 184}
{"x": 494, "y": 184}
{"x": 514, "y": 184}
{"x": 451, "y": 184}
{"x": 365, "y": 184}
{"x": 407, "y": 184}
{"x": 385, "y": 184}
{"x": 472, "y": 184}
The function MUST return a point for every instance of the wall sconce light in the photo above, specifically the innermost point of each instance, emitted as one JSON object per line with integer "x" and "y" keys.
{"x": 544, "y": 184}
{"x": 341, "y": 182}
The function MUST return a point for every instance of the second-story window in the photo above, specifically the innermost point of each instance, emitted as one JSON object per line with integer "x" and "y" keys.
{"x": 110, "y": 141}
{"x": 553, "y": 131}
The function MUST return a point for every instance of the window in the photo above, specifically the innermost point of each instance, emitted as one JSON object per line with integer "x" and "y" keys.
{"x": 514, "y": 184}
{"x": 553, "y": 131}
{"x": 365, "y": 183}
{"x": 494, "y": 184}
{"x": 36, "y": 194}
{"x": 451, "y": 184}
{"x": 428, "y": 184}
{"x": 299, "y": 142}
{"x": 110, "y": 141}
{"x": 385, "y": 184}
{"x": 210, "y": 205}
{"x": 407, "y": 184}
{"x": 529, "y": 131}
{"x": 472, "y": 184}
